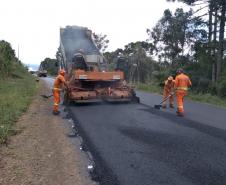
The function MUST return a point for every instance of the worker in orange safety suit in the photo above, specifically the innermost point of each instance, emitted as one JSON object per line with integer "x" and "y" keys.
{"x": 59, "y": 83}
{"x": 168, "y": 91}
{"x": 182, "y": 82}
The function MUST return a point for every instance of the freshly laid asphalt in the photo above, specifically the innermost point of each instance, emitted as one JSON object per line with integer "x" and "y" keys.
{"x": 139, "y": 145}
{"x": 135, "y": 144}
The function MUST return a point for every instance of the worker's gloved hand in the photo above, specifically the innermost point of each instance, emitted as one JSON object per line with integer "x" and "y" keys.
{"x": 66, "y": 85}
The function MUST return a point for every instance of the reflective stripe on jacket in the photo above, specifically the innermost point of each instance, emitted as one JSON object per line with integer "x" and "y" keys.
{"x": 182, "y": 82}
{"x": 182, "y": 88}
{"x": 57, "y": 89}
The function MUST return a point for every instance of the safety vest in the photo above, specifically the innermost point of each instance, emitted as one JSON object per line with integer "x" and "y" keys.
{"x": 58, "y": 82}
{"x": 182, "y": 82}
{"x": 169, "y": 85}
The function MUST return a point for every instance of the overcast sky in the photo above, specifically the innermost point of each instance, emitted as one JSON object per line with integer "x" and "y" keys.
{"x": 33, "y": 25}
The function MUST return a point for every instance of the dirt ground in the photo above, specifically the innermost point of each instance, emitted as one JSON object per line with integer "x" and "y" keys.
{"x": 42, "y": 153}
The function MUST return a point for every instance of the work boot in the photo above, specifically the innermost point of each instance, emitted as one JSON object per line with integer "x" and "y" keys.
{"x": 56, "y": 112}
{"x": 180, "y": 114}
{"x": 163, "y": 106}
{"x": 171, "y": 106}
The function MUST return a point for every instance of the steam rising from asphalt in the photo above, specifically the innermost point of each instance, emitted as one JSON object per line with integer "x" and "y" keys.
{"x": 75, "y": 38}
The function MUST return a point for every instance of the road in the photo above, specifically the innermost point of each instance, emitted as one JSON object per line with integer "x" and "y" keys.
{"x": 135, "y": 144}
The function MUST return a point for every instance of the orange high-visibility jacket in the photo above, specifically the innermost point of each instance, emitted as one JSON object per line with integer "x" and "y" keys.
{"x": 169, "y": 85}
{"x": 182, "y": 82}
{"x": 59, "y": 81}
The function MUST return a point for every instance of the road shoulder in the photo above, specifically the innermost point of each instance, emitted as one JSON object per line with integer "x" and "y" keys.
{"x": 42, "y": 152}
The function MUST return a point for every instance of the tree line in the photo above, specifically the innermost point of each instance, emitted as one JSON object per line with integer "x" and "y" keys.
{"x": 8, "y": 60}
{"x": 193, "y": 40}
{"x": 50, "y": 65}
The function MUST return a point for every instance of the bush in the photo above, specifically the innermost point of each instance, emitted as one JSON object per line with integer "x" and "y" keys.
{"x": 149, "y": 87}
{"x": 160, "y": 76}
{"x": 221, "y": 88}
{"x": 7, "y": 59}
{"x": 15, "y": 96}
{"x": 201, "y": 85}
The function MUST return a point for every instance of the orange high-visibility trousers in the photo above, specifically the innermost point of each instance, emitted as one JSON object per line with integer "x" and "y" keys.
{"x": 56, "y": 100}
{"x": 165, "y": 95}
{"x": 180, "y": 100}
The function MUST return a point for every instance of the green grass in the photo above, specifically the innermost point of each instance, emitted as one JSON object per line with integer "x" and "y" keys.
{"x": 149, "y": 87}
{"x": 15, "y": 95}
{"x": 207, "y": 98}
{"x": 203, "y": 98}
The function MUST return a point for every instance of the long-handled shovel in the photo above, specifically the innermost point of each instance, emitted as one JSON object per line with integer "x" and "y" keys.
{"x": 160, "y": 104}
{"x": 46, "y": 96}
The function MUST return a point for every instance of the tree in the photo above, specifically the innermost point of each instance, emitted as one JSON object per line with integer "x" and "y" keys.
{"x": 175, "y": 34}
{"x": 221, "y": 38}
{"x": 101, "y": 41}
{"x": 140, "y": 64}
{"x": 7, "y": 58}
{"x": 216, "y": 28}
{"x": 49, "y": 65}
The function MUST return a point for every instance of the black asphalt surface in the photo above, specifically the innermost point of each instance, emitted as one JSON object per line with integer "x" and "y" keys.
{"x": 204, "y": 113}
{"x": 135, "y": 144}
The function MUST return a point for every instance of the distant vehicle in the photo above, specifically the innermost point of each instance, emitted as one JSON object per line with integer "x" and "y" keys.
{"x": 42, "y": 73}
{"x": 32, "y": 72}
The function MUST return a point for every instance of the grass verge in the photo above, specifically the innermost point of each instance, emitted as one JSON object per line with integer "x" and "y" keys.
{"x": 207, "y": 98}
{"x": 153, "y": 88}
{"x": 15, "y": 95}
{"x": 203, "y": 98}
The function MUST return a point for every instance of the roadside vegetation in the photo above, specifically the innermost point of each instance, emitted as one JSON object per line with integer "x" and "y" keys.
{"x": 50, "y": 65}
{"x": 193, "y": 40}
{"x": 197, "y": 97}
{"x": 17, "y": 88}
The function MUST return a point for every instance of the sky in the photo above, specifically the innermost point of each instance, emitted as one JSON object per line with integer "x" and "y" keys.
{"x": 32, "y": 26}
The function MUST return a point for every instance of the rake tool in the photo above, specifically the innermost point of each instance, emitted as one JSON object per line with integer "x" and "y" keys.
{"x": 160, "y": 104}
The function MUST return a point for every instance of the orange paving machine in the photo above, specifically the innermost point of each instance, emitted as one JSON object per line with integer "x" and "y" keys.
{"x": 87, "y": 71}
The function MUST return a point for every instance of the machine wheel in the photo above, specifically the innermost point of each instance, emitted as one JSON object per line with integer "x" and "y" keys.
{"x": 135, "y": 99}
